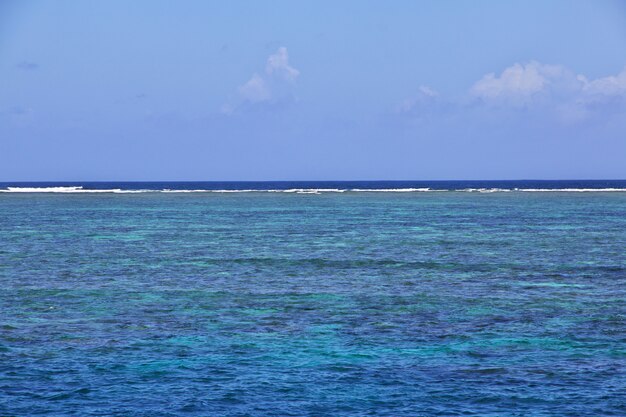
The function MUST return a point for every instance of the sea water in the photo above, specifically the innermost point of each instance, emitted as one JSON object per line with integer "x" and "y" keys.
{"x": 324, "y": 299}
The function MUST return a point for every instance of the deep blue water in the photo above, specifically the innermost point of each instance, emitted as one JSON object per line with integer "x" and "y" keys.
{"x": 488, "y": 303}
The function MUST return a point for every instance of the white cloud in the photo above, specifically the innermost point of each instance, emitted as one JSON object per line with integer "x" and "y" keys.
{"x": 607, "y": 86}
{"x": 552, "y": 88}
{"x": 533, "y": 91}
{"x": 278, "y": 66}
{"x": 425, "y": 98}
{"x": 427, "y": 91}
{"x": 255, "y": 90}
{"x": 274, "y": 86}
{"x": 521, "y": 83}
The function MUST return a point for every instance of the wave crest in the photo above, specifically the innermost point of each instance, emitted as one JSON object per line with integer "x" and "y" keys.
{"x": 315, "y": 191}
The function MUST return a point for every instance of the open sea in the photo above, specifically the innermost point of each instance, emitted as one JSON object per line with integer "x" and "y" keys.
{"x": 406, "y": 298}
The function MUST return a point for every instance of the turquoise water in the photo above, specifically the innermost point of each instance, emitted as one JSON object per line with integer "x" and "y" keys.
{"x": 331, "y": 304}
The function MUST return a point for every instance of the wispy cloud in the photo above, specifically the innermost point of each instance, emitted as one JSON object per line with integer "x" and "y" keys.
{"x": 611, "y": 86}
{"x": 274, "y": 86}
{"x": 255, "y": 90}
{"x": 525, "y": 83}
{"x": 27, "y": 66}
{"x": 552, "y": 90}
{"x": 425, "y": 101}
{"x": 521, "y": 84}
{"x": 17, "y": 115}
{"x": 278, "y": 66}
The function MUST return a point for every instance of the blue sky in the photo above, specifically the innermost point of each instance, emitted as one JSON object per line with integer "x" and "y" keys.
{"x": 284, "y": 90}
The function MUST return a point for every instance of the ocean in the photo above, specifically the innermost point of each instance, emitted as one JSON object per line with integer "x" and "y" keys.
{"x": 391, "y": 298}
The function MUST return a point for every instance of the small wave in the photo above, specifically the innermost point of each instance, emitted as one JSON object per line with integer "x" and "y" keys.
{"x": 55, "y": 190}
{"x": 547, "y": 190}
{"x": 486, "y": 190}
{"x": 69, "y": 190}
{"x": 43, "y": 189}
{"x": 391, "y": 190}
{"x": 314, "y": 191}
{"x": 291, "y": 190}
{"x": 205, "y": 191}
{"x": 570, "y": 190}
{"x": 308, "y": 190}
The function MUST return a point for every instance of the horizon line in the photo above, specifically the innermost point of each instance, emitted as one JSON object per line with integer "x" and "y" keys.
{"x": 296, "y": 180}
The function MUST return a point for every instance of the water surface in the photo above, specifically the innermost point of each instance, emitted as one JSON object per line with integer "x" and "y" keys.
{"x": 329, "y": 304}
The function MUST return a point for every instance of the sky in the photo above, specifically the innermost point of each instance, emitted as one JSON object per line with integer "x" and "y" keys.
{"x": 312, "y": 90}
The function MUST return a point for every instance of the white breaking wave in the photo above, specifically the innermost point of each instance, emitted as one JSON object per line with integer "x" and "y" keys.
{"x": 391, "y": 190}
{"x": 205, "y": 191}
{"x": 308, "y": 190}
{"x": 42, "y": 189}
{"x": 80, "y": 189}
{"x": 546, "y": 190}
{"x": 69, "y": 190}
{"x": 570, "y": 190}
{"x": 54, "y": 190}
{"x": 486, "y": 190}
{"x": 291, "y": 190}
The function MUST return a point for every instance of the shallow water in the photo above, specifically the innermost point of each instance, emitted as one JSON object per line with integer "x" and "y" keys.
{"x": 337, "y": 304}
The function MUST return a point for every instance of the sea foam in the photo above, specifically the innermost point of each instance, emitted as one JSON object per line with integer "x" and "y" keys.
{"x": 315, "y": 191}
